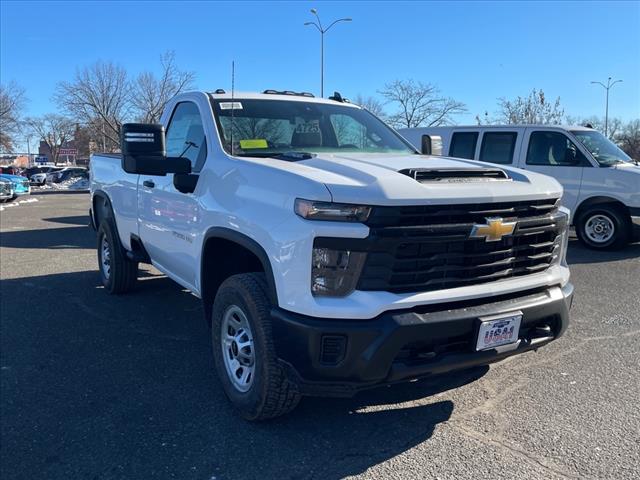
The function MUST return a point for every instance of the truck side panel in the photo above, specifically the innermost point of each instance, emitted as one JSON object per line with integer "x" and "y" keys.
{"x": 121, "y": 188}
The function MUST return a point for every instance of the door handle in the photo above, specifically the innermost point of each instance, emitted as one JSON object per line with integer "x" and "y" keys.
{"x": 149, "y": 183}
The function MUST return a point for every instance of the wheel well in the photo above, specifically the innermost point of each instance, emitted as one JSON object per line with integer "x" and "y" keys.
{"x": 600, "y": 201}
{"x": 224, "y": 257}
{"x": 101, "y": 209}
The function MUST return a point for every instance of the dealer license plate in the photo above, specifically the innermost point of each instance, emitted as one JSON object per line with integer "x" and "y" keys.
{"x": 498, "y": 330}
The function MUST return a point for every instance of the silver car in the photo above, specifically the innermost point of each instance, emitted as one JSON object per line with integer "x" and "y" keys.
{"x": 6, "y": 191}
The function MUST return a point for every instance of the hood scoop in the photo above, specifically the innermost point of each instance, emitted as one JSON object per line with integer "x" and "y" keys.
{"x": 455, "y": 175}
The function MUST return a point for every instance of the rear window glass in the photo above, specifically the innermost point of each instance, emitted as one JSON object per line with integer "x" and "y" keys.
{"x": 463, "y": 144}
{"x": 498, "y": 147}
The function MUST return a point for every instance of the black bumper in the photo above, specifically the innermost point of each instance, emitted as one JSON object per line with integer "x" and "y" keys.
{"x": 339, "y": 357}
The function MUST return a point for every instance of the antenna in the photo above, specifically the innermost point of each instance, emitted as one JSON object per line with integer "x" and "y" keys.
{"x": 233, "y": 105}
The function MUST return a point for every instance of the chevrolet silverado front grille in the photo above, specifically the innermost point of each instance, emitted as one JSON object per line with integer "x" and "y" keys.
{"x": 425, "y": 248}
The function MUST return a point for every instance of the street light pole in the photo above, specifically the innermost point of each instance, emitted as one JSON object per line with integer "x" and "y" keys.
{"x": 606, "y": 110}
{"x": 322, "y": 31}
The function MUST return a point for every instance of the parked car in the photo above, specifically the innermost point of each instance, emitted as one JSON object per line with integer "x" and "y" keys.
{"x": 329, "y": 254}
{"x": 6, "y": 190}
{"x": 37, "y": 175}
{"x": 40, "y": 178}
{"x": 601, "y": 183}
{"x": 20, "y": 184}
{"x": 66, "y": 174}
{"x": 10, "y": 170}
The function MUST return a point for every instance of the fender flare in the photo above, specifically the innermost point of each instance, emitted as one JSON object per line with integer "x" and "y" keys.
{"x": 92, "y": 213}
{"x": 251, "y": 245}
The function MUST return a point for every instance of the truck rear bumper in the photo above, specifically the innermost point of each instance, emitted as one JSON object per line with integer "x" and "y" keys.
{"x": 329, "y": 357}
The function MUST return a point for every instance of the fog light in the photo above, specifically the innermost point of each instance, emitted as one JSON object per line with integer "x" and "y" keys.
{"x": 335, "y": 272}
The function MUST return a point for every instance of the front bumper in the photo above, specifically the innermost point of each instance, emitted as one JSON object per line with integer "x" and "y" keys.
{"x": 340, "y": 357}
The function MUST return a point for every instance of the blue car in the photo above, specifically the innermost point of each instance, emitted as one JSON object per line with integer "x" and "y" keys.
{"x": 20, "y": 184}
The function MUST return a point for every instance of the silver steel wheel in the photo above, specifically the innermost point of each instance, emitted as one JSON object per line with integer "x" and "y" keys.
{"x": 238, "y": 352}
{"x": 105, "y": 257}
{"x": 599, "y": 228}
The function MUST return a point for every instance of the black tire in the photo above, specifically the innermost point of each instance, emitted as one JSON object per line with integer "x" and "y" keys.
{"x": 609, "y": 213}
{"x": 123, "y": 273}
{"x": 270, "y": 393}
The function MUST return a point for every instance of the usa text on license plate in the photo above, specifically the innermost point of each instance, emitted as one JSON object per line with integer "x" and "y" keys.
{"x": 498, "y": 330}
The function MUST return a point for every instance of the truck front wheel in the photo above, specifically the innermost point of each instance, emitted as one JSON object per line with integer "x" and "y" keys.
{"x": 117, "y": 272}
{"x": 243, "y": 350}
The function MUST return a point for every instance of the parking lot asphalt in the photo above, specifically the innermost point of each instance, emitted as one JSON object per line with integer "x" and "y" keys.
{"x": 108, "y": 387}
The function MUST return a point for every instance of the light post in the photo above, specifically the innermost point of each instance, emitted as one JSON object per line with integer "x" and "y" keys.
{"x": 322, "y": 31}
{"x": 606, "y": 111}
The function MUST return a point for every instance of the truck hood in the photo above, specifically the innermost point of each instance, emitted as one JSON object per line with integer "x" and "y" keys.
{"x": 376, "y": 179}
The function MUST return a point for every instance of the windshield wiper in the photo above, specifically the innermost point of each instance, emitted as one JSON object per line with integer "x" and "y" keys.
{"x": 291, "y": 156}
{"x": 295, "y": 156}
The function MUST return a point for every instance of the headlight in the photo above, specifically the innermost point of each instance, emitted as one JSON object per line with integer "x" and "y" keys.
{"x": 563, "y": 238}
{"x": 335, "y": 273}
{"x": 337, "y": 212}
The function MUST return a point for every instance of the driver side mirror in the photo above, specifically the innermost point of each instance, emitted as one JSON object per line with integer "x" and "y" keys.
{"x": 144, "y": 152}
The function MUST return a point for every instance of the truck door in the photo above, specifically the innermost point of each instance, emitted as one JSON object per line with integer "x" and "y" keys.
{"x": 552, "y": 153}
{"x": 169, "y": 219}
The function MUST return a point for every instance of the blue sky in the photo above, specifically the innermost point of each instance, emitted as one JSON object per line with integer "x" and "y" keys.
{"x": 475, "y": 52}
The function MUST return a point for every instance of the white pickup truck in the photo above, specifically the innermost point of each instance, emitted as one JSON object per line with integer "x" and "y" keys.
{"x": 330, "y": 256}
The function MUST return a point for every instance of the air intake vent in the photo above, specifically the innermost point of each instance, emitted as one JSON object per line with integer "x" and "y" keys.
{"x": 333, "y": 349}
{"x": 455, "y": 175}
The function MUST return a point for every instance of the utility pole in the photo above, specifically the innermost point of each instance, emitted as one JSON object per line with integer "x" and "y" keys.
{"x": 322, "y": 31}
{"x": 606, "y": 109}
{"x": 29, "y": 149}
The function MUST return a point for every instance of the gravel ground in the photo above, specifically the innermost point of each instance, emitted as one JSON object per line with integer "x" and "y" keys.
{"x": 101, "y": 387}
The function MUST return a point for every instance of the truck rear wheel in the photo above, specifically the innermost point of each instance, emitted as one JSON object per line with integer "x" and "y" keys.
{"x": 243, "y": 350}
{"x": 117, "y": 272}
{"x": 603, "y": 227}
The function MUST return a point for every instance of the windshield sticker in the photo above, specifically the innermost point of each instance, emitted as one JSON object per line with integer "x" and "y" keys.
{"x": 253, "y": 143}
{"x": 310, "y": 126}
{"x": 230, "y": 106}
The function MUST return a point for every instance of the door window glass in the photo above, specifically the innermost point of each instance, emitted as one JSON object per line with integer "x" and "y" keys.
{"x": 553, "y": 149}
{"x": 185, "y": 135}
{"x": 463, "y": 144}
{"x": 498, "y": 147}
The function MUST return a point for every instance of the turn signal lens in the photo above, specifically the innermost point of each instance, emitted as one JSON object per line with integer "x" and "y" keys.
{"x": 336, "y": 212}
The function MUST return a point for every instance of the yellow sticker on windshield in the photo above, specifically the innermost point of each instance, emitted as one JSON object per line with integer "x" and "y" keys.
{"x": 253, "y": 143}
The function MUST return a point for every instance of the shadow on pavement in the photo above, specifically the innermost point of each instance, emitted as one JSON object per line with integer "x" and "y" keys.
{"x": 578, "y": 253}
{"x": 70, "y": 220}
{"x": 49, "y": 238}
{"x": 99, "y": 386}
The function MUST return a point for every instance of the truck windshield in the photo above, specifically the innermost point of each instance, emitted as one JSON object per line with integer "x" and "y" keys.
{"x": 603, "y": 150}
{"x": 266, "y": 128}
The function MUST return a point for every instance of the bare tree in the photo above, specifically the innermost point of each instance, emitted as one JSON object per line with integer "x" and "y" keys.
{"x": 55, "y": 130}
{"x": 370, "y": 103}
{"x": 419, "y": 104}
{"x": 99, "y": 96}
{"x": 532, "y": 109}
{"x": 12, "y": 100}
{"x": 629, "y": 139}
{"x": 150, "y": 94}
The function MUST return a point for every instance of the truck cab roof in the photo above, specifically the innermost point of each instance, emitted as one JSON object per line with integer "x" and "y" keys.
{"x": 293, "y": 97}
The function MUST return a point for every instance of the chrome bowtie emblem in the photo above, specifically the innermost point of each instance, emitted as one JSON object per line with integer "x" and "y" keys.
{"x": 493, "y": 230}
